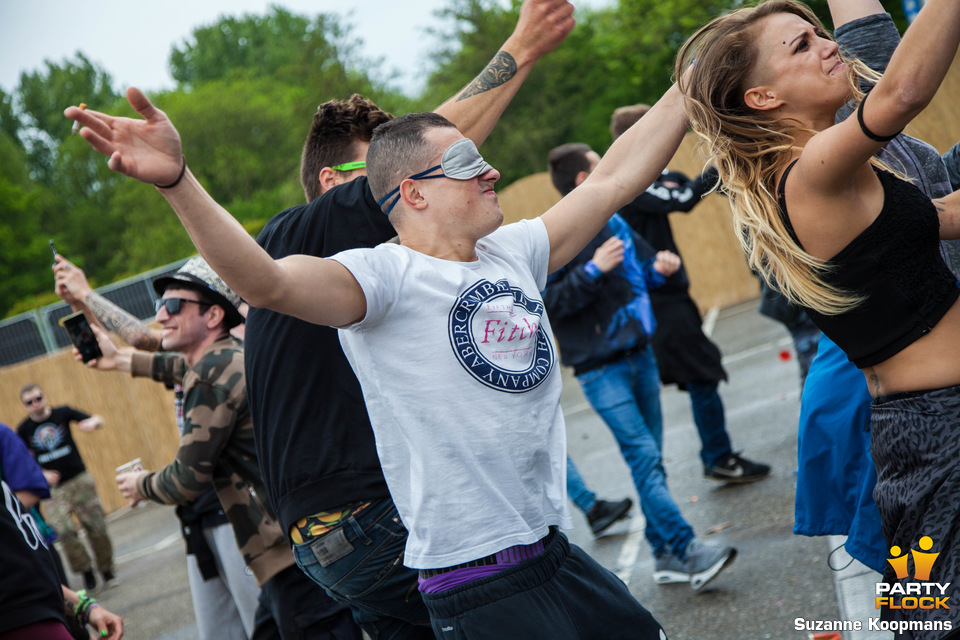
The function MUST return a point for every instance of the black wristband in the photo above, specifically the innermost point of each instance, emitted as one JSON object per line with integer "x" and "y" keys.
{"x": 183, "y": 170}
{"x": 863, "y": 126}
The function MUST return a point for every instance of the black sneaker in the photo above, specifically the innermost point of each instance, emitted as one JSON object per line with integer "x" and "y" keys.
{"x": 89, "y": 580}
{"x": 603, "y": 514}
{"x": 737, "y": 469}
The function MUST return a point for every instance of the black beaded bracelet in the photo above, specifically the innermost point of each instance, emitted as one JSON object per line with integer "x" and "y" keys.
{"x": 183, "y": 170}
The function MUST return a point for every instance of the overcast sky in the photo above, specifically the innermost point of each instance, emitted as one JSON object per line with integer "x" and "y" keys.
{"x": 132, "y": 40}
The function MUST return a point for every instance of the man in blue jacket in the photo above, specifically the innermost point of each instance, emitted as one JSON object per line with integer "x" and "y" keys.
{"x": 599, "y": 307}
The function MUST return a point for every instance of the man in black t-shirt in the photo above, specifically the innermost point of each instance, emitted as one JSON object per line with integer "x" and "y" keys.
{"x": 46, "y": 432}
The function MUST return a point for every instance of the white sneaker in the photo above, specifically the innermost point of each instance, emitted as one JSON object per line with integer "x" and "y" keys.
{"x": 669, "y": 569}
{"x": 705, "y": 561}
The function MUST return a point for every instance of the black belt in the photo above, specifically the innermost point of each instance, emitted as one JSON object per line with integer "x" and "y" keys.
{"x": 485, "y": 561}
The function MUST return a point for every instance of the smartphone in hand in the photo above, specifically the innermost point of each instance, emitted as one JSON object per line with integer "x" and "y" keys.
{"x": 53, "y": 250}
{"x": 81, "y": 335}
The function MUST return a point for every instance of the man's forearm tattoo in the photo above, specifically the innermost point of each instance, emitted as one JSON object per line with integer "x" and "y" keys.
{"x": 497, "y": 72}
{"x": 117, "y": 321}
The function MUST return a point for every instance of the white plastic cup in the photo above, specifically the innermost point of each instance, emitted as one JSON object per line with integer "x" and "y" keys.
{"x": 133, "y": 465}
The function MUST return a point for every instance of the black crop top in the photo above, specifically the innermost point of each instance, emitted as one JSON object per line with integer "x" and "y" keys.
{"x": 896, "y": 265}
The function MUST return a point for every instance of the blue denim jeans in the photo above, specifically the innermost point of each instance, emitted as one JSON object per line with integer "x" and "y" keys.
{"x": 711, "y": 423}
{"x": 577, "y": 488}
{"x": 360, "y": 563}
{"x": 626, "y": 394}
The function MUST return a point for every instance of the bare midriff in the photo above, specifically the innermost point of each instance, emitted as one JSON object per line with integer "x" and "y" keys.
{"x": 932, "y": 362}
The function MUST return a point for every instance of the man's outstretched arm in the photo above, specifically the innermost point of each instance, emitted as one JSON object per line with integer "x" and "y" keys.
{"x": 475, "y": 109}
{"x": 148, "y": 149}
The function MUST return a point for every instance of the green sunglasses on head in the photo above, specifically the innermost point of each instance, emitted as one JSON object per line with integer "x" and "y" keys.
{"x": 350, "y": 166}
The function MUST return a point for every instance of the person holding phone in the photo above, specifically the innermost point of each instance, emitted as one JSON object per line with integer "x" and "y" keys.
{"x": 46, "y": 432}
{"x": 196, "y": 312}
{"x": 223, "y": 592}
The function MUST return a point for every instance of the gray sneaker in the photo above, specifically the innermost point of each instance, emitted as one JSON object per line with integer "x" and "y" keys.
{"x": 705, "y": 561}
{"x": 668, "y": 568}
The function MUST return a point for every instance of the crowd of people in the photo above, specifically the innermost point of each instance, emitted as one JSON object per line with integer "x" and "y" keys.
{"x": 420, "y": 488}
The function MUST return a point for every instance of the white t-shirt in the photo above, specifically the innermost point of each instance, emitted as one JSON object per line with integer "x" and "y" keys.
{"x": 459, "y": 373}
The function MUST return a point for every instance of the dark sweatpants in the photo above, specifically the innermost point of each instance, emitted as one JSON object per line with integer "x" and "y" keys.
{"x": 563, "y": 593}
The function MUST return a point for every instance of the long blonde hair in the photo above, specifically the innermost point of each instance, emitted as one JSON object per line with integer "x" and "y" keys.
{"x": 750, "y": 151}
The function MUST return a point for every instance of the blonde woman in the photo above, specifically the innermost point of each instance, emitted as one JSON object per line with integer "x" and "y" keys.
{"x": 844, "y": 236}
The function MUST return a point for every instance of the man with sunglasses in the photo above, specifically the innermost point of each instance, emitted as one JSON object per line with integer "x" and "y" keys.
{"x": 223, "y": 591}
{"x": 196, "y": 312}
{"x": 46, "y": 432}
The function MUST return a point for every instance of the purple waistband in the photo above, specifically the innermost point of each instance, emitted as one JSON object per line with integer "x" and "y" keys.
{"x": 437, "y": 580}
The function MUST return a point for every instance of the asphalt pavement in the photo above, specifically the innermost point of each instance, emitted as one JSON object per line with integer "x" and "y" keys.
{"x": 776, "y": 578}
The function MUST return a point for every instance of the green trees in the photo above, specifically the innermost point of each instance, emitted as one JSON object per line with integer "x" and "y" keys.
{"x": 247, "y": 90}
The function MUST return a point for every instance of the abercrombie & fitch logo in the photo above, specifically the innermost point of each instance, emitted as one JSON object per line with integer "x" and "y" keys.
{"x": 495, "y": 330}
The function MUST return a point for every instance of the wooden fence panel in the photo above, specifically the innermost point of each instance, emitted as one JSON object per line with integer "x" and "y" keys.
{"x": 138, "y": 414}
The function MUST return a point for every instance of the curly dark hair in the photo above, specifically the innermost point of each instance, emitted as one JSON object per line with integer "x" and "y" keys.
{"x": 337, "y": 126}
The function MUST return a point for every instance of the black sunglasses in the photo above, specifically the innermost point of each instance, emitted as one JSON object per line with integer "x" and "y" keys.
{"x": 33, "y": 400}
{"x": 172, "y": 305}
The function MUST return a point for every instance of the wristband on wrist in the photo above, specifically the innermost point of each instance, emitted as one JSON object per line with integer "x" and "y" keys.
{"x": 81, "y": 595}
{"x": 84, "y": 618}
{"x": 183, "y": 170}
{"x": 83, "y": 605}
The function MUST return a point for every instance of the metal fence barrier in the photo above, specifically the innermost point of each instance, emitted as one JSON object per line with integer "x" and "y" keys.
{"x": 38, "y": 332}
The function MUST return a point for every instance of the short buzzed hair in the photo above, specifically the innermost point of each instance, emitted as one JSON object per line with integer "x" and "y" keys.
{"x": 337, "y": 127}
{"x": 566, "y": 162}
{"x": 399, "y": 149}
{"x": 27, "y": 388}
{"x": 625, "y": 117}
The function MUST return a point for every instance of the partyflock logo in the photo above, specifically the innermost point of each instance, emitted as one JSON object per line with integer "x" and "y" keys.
{"x": 911, "y": 593}
{"x": 919, "y": 593}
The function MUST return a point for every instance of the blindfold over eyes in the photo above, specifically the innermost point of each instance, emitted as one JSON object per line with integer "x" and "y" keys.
{"x": 460, "y": 161}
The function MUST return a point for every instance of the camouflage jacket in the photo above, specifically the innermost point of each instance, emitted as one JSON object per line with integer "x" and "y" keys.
{"x": 217, "y": 444}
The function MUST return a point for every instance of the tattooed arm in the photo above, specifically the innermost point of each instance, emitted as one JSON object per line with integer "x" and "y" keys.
{"x": 475, "y": 109}
{"x": 948, "y": 208}
{"x": 71, "y": 285}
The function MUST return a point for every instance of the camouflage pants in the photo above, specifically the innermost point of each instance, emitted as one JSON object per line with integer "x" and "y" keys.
{"x": 78, "y": 495}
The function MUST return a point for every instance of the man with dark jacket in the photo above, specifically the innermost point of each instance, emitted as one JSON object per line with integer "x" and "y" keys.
{"x": 600, "y": 310}
{"x": 685, "y": 355}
